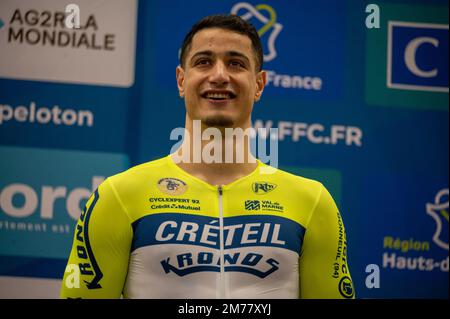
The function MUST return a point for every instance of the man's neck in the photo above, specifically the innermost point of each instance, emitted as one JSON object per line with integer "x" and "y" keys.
{"x": 218, "y": 173}
{"x": 218, "y": 160}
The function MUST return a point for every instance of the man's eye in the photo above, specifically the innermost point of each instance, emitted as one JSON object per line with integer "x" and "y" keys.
{"x": 237, "y": 63}
{"x": 202, "y": 62}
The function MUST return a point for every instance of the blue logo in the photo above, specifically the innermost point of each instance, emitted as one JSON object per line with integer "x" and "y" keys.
{"x": 247, "y": 264}
{"x": 252, "y": 205}
{"x": 417, "y": 56}
{"x": 1, "y": 24}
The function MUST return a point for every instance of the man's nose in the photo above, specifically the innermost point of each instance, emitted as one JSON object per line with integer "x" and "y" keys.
{"x": 219, "y": 74}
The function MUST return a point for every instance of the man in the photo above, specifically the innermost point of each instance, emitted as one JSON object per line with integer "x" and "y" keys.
{"x": 179, "y": 227}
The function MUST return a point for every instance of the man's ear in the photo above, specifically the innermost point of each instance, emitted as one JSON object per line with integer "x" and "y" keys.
{"x": 180, "y": 80}
{"x": 261, "y": 80}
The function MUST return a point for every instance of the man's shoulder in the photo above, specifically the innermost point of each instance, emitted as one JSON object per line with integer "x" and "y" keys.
{"x": 298, "y": 189}
{"x": 297, "y": 182}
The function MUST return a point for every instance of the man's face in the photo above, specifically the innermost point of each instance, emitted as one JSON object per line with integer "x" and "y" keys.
{"x": 219, "y": 81}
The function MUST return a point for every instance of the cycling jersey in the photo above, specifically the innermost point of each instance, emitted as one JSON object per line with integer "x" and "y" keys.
{"x": 155, "y": 231}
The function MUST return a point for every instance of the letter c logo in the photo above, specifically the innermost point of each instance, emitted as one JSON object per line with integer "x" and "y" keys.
{"x": 410, "y": 56}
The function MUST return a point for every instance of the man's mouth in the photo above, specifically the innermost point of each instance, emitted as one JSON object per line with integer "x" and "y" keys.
{"x": 218, "y": 96}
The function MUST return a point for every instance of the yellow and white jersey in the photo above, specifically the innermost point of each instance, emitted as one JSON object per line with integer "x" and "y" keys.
{"x": 154, "y": 231}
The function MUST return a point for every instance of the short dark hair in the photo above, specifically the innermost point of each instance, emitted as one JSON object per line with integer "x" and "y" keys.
{"x": 229, "y": 22}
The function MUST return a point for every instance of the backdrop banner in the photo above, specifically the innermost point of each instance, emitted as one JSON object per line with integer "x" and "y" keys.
{"x": 358, "y": 91}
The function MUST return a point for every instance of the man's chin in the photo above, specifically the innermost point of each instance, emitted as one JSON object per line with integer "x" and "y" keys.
{"x": 218, "y": 121}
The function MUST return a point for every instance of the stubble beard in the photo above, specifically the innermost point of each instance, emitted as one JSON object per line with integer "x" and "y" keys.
{"x": 218, "y": 121}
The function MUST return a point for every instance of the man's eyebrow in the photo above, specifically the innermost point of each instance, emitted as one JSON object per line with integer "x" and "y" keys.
{"x": 238, "y": 54}
{"x": 228, "y": 53}
{"x": 201, "y": 53}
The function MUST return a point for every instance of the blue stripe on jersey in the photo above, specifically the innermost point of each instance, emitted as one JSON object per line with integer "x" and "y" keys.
{"x": 239, "y": 231}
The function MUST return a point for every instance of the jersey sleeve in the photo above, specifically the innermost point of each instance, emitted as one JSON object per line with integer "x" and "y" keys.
{"x": 98, "y": 262}
{"x": 324, "y": 273}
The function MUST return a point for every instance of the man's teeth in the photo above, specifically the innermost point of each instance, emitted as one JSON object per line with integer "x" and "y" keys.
{"x": 218, "y": 96}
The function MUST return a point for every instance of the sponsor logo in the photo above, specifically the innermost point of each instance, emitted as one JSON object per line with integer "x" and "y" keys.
{"x": 439, "y": 212}
{"x": 405, "y": 245}
{"x": 265, "y": 205}
{"x": 88, "y": 265}
{"x": 426, "y": 250}
{"x": 407, "y": 58}
{"x": 263, "y": 187}
{"x": 202, "y": 233}
{"x": 270, "y": 30}
{"x": 236, "y": 235}
{"x": 417, "y": 56}
{"x": 404, "y": 252}
{"x": 238, "y": 262}
{"x": 268, "y": 205}
{"x": 314, "y": 133}
{"x": 340, "y": 269}
{"x": 252, "y": 205}
{"x": 37, "y": 43}
{"x": 411, "y": 246}
{"x": 172, "y": 186}
{"x": 174, "y": 203}
{"x": 346, "y": 287}
{"x": 24, "y": 30}
{"x": 421, "y": 263}
{"x": 44, "y": 115}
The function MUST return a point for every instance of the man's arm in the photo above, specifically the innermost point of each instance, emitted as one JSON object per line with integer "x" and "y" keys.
{"x": 101, "y": 248}
{"x": 323, "y": 262}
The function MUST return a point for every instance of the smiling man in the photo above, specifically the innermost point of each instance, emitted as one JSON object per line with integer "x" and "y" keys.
{"x": 220, "y": 77}
{"x": 211, "y": 229}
